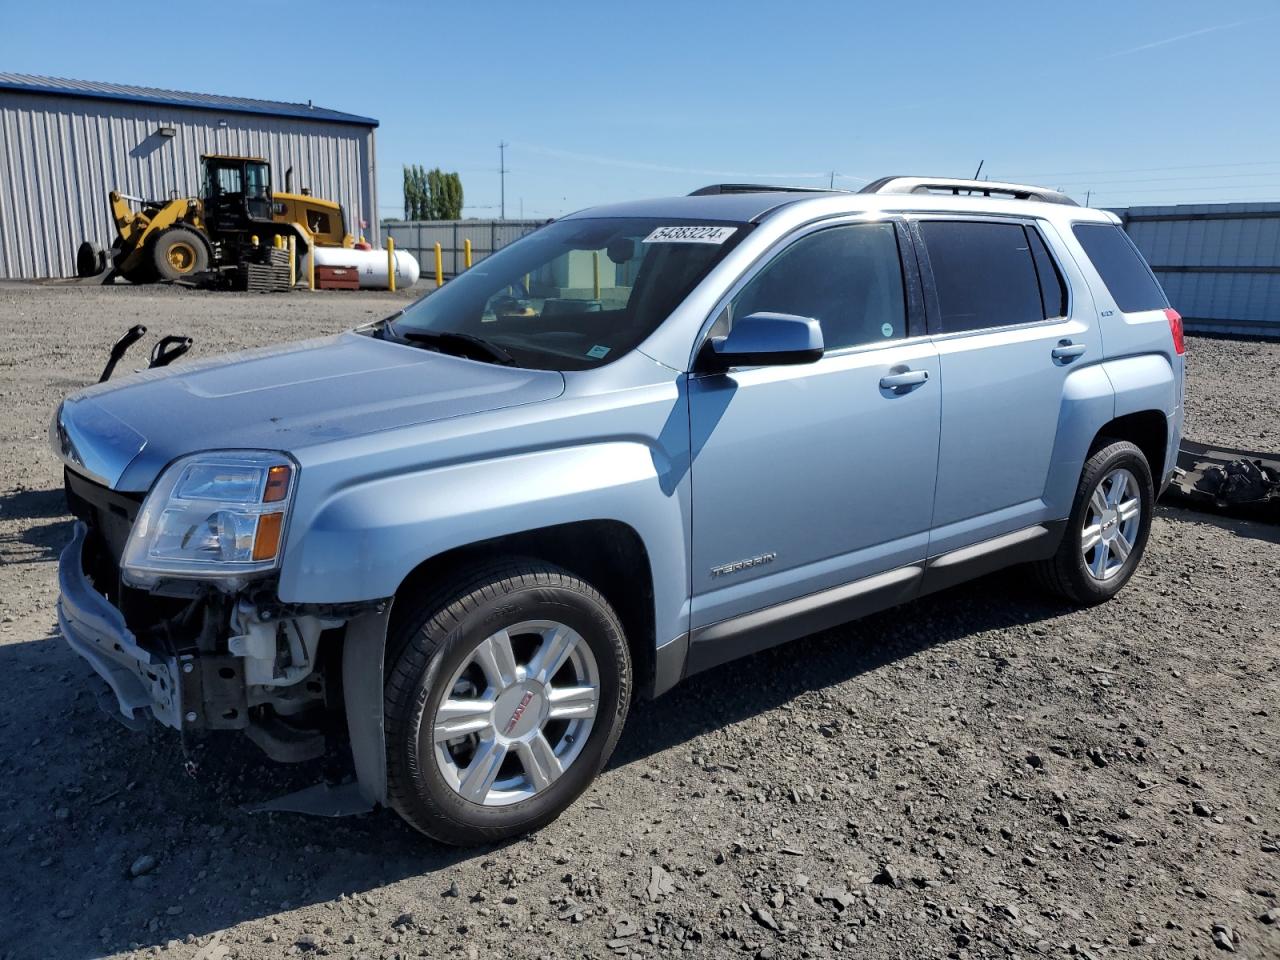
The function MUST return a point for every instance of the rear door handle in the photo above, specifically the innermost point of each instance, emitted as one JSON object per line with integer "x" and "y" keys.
{"x": 1067, "y": 351}
{"x": 904, "y": 380}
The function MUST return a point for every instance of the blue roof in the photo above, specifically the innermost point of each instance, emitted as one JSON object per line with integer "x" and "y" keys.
{"x": 176, "y": 98}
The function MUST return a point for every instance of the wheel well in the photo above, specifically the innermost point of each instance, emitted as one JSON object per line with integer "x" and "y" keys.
{"x": 1147, "y": 430}
{"x": 607, "y": 554}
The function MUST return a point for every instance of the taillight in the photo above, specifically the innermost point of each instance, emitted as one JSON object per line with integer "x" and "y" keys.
{"x": 1175, "y": 327}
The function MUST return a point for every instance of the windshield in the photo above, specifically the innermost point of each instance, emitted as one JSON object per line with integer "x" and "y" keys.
{"x": 573, "y": 294}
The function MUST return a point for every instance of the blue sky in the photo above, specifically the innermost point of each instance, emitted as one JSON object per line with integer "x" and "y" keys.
{"x": 1137, "y": 102}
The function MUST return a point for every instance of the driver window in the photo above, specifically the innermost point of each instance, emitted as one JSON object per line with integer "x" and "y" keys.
{"x": 848, "y": 278}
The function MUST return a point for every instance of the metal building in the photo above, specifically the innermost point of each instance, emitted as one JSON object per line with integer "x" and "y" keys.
{"x": 64, "y": 144}
{"x": 1218, "y": 262}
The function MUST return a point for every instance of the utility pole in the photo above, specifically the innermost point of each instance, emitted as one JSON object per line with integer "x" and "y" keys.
{"x": 502, "y": 176}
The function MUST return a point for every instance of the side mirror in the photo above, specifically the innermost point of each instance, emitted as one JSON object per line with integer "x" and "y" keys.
{"x": 765, "y": 339}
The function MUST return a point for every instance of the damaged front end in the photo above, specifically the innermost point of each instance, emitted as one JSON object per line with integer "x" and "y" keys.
{"x": 218, "y": 653}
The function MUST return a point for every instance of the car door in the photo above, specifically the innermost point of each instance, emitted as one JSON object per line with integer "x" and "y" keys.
{"x": 809, "y": 477}
{"x": 1009, "y": 333}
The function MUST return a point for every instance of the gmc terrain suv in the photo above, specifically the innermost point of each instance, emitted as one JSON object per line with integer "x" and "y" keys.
{"x": 641, "y": 441}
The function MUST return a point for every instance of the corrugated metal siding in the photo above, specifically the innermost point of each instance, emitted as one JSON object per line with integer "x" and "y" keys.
{"x": 60, "y": 157}
{"x": 1219, "y": 263}
{"x": 419, "y": 237}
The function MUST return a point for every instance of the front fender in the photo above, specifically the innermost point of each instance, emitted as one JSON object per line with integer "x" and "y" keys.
{"x": 363, "y": 540}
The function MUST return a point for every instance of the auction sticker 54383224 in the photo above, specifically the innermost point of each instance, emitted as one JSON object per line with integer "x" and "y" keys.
{"x": 690, "y": 234}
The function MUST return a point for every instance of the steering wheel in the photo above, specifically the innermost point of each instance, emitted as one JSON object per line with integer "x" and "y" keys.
{"x": 507, "y": 306}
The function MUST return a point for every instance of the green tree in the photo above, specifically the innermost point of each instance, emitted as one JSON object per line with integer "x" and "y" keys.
{"x": 451, "y": 197}
{"x": 431, "y": 194}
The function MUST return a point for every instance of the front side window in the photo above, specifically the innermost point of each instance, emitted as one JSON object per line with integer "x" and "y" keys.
{"x": 576, "y": 293}
{"x": 848, "y": 278}
{"x": 985, "y": 275}
{"x": 223, "y": 180}
{"x": 258, "y": 180}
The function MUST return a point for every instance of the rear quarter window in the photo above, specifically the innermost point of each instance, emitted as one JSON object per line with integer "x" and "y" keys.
{"x": 1128, "y": 278}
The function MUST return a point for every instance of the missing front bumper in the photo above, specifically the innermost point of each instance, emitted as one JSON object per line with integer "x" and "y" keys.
{"x": 140, "y": 680}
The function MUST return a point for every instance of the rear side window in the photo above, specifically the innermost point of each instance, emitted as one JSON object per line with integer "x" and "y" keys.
{"x": 1121, "y": 267}
{"x": 985, "y": 275}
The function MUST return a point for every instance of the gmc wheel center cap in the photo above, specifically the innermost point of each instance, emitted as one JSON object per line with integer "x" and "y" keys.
{"x": 1109, "y": 525}
{"x": 520, "y": 709}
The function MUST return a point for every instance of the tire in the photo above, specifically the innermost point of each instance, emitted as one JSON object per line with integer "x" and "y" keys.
{"x": 179, "y": 252}
{"x": 448, "y": 646}
{"x": 1076, "y": 573}
{"x": 91, "y": 259}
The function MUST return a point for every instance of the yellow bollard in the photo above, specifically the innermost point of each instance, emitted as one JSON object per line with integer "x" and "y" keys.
{"x": 466, "y": 253}
{"x": 311, "y": 266}
{"x": 277, "y": 241}
{"x": 595, "y": 272}
{"x": 439, "y": 267}
{"x": 293, "y": 262}
{"x": 391, "y": 264}
{"x": 254, "y": 240}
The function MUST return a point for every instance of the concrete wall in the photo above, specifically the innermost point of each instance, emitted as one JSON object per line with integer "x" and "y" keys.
{"x": 61, "y": 155}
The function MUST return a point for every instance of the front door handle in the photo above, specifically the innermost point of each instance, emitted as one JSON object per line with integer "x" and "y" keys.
{"x": 1066, "y": 351}
{"x": 904, "y": 380}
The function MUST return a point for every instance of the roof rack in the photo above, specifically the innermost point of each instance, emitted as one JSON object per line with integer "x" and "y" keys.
{"x": 719, "y": 188}
{"x": 955, "y": 187}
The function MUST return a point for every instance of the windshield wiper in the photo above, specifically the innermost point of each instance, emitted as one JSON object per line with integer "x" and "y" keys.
{"x": 468, "y": 344}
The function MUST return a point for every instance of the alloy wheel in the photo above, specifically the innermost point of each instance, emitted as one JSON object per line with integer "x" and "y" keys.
{"x": 1111, "y": 525}
{"x": 517, "y": 713}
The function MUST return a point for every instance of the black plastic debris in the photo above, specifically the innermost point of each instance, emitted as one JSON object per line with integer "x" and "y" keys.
{"x": 1241, "y": 482}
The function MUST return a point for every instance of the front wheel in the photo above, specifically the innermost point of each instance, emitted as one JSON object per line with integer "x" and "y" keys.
{"x": 505, "y": 696}
{"x": 1108, "y": 528}
{"x": 177, "y": 253}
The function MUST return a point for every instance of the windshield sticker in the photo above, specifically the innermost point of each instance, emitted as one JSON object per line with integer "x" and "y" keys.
{"x": 597, "y": 352}
{"x": 690, "y": 235}
{"x": 886, "y": 330}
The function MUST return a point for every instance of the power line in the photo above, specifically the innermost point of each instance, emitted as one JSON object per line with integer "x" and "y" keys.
{"x": 1193, "y": 177}
{"x": 1249, "y": 186}
{"x": 1104, "y": 173}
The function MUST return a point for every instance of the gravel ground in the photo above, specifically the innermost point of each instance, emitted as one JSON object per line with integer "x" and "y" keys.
{"x": 982, "y": 774}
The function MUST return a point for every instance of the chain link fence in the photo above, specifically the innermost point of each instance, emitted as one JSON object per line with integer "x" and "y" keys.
{"x": 419, "y": 237}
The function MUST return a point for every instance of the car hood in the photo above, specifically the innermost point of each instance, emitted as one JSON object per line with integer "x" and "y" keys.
{"x": 287, "y": 397}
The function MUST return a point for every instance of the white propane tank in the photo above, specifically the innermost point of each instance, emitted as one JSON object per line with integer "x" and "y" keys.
{"x": 370, "y": 264}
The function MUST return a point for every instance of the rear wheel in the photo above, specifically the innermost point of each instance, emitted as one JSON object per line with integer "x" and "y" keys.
{"x": 1107, "y": 531}
{"x": 505, "y": 696}
{"x": 179, "y": 252}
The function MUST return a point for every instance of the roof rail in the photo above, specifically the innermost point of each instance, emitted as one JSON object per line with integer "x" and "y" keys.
{"x": 955, "y": 187}
{"x": 719, "y": 188}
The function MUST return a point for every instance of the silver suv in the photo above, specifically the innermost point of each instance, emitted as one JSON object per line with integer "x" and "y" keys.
{"x": 644, "y": 440}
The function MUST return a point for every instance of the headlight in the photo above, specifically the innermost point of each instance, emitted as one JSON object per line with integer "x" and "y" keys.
{"x": 212, "y": 515}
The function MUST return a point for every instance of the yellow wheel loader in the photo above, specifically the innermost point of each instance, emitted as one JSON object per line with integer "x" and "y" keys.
{"x": 220, "y": 237}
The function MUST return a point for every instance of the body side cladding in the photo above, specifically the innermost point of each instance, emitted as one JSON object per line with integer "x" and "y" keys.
{"x": 727, "y": 640}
